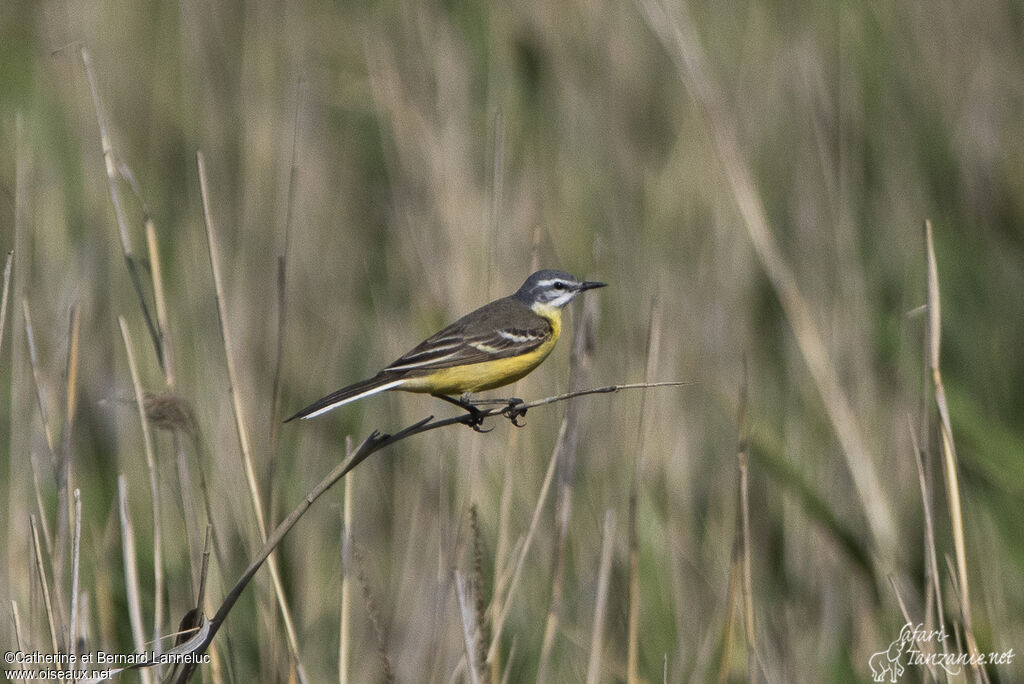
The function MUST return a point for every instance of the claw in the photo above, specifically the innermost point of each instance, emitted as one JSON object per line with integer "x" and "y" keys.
{"x": 476, "y": 419}
{"x": 514, "y": 411}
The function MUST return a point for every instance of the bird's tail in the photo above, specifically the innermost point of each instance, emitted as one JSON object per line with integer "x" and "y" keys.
{"x": 379, "y": 383}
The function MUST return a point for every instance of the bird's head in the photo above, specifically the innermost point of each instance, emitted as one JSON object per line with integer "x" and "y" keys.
{"x": 552, "y": 289}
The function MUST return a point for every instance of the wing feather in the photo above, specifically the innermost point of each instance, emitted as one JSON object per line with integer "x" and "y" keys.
{"x": 477, "y": 337}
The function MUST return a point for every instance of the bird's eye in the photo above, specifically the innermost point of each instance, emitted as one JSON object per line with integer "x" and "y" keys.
{"x": 559, "y": 286}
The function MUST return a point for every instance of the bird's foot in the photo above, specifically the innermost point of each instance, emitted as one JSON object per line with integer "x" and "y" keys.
{"x": 476, "y": 416}
{"x": 514, "y": 411}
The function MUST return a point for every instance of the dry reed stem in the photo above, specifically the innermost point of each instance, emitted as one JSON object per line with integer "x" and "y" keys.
{"x": 506, "y": 600}
{"x": 538, "y": 236}
{"x": 44, "y": 584}
{"x": 469, "y": 635}
{"x": 566, "y": 450}
{"x": 19, "y": 440}
{"x": 63, "y": 469}
{"x": 345, "y": 618}
{"x": 511, "y": 657}
{"x": 934, "y": 604}
{"x": 275, "y": 385}
{"x": 207, "y": 544}
{"x": 633, "y": 624}
{"x": 922, "y": 646}
{"x": 165, "y": 349}
{"x": 502, "y": 545}
{"x": 34, "y": 467}
{"x": 932, "y": 577}
{"x": 493, "y": 209}
{"x": 732, "y": 595}
{"x": 979, "y": 672}
{"x": 945, "y": 429}
{"x": 113, "y": 174}
{"x": 240, "y": 424}
{"x": 275, "y": 394}
{"x": 744, "y": 484}
{"x": 4, "y": 296}
{"x": 187, "y": 497}
{"x": 201, "y": 600}
{"x": 951, "y": 569}
{"x": 160, "y": 300}
{"x": 108, "y": 155}
{"x": 194, "y": 620}
{"x": 131, "y": 573}
{"x": 604, "y": 572}
{"x": 154, "y": 488}
{"x": 18, "y": 639}
{"x": 33, "y": 358}
{"x": 948, "y": 448}
{"x": 681, "y": 42}
{"x": 495, "y": 200}
{"x": 748, "y": 590}
{"x": 76, "y": 547}
{"x": 187, "y": 502}
{"x": 282, "y": 273}
{"x": 241, "y": 430}
{"x": 218, "y": 546}
{"x": 54, "y": 545}
{"x": 48, "y": 433}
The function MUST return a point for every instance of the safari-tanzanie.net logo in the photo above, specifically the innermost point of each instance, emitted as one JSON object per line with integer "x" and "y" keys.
{"x": 927, "y": 648}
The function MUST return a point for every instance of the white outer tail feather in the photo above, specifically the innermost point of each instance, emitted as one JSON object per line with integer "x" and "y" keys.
{"x": 330, "y": 407}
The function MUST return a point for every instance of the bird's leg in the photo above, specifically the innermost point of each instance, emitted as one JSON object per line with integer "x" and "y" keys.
{"x": 512, "y": 409}
{"x": 483, "y": 402}
{"x": 476, "y": 415}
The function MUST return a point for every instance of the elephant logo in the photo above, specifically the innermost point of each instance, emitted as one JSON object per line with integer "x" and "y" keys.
{"x": 887, "y": 662}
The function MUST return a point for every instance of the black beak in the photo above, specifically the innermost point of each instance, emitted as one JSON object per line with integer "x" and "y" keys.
{"x": 590, "y": 285}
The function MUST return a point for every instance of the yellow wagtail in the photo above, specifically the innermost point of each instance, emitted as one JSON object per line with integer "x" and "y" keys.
{"x": 493, "y": 346}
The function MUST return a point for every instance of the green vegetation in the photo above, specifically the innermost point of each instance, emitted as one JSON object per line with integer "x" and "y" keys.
{"x": 751, "y": 180}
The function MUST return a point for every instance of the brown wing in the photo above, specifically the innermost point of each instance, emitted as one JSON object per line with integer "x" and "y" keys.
{"x": 497, "y": 330}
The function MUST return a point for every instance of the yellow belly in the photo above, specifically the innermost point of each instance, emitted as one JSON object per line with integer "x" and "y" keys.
{"x": 478, "y": 377}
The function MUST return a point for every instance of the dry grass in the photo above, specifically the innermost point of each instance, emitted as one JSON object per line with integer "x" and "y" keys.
{"x": 750, "y": 180}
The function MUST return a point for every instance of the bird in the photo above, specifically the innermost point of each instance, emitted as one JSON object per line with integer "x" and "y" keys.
{"x": 488, "y": 348}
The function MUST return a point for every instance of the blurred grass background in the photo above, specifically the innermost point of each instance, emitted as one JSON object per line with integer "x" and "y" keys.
{"x": 442, "y": 151}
